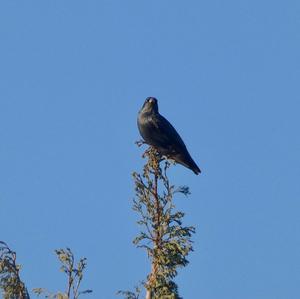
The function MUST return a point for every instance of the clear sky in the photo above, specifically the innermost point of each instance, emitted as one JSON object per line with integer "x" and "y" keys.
{"x": 73, "y": 75}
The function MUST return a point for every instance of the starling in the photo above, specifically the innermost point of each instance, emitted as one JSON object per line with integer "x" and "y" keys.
{"x": 160, "y": 134}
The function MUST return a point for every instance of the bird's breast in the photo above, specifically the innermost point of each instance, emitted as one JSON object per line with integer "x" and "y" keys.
{"x": 146, "y": 126}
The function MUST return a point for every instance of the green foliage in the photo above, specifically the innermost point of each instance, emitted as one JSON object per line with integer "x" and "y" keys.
{"x": 74, "y": 274}
{"x": 10, "y": 282}
{"x": 162, "y": 235}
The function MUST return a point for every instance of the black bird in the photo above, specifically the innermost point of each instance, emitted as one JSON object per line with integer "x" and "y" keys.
{"x": 160, "y": 134}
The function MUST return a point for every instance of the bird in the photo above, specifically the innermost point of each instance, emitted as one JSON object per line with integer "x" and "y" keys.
{"x": 160, "y": 134}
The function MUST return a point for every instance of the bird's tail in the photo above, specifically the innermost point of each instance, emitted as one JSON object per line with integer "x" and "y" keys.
{"x": 187, "y": 161}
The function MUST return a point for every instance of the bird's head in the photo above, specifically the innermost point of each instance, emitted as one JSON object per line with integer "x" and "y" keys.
{"x": 150, "y": 105}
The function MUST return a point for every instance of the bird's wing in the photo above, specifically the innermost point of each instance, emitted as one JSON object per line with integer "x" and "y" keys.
{"x": 165, "y": 134}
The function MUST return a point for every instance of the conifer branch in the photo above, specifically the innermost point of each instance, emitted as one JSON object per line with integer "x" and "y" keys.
{"x": 165, "y": 239}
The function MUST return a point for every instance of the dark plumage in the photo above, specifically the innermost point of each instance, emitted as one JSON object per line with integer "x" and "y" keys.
{"x": 160, "y": 134}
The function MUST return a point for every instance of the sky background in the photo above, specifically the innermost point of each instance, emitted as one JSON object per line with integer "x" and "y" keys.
{"x": 73, "y": 75}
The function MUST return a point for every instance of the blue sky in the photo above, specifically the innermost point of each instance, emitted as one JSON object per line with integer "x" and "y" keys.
{"x": 73, "y": 75}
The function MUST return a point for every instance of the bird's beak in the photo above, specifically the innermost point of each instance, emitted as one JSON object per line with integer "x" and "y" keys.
{"x": 151, "y": 101}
